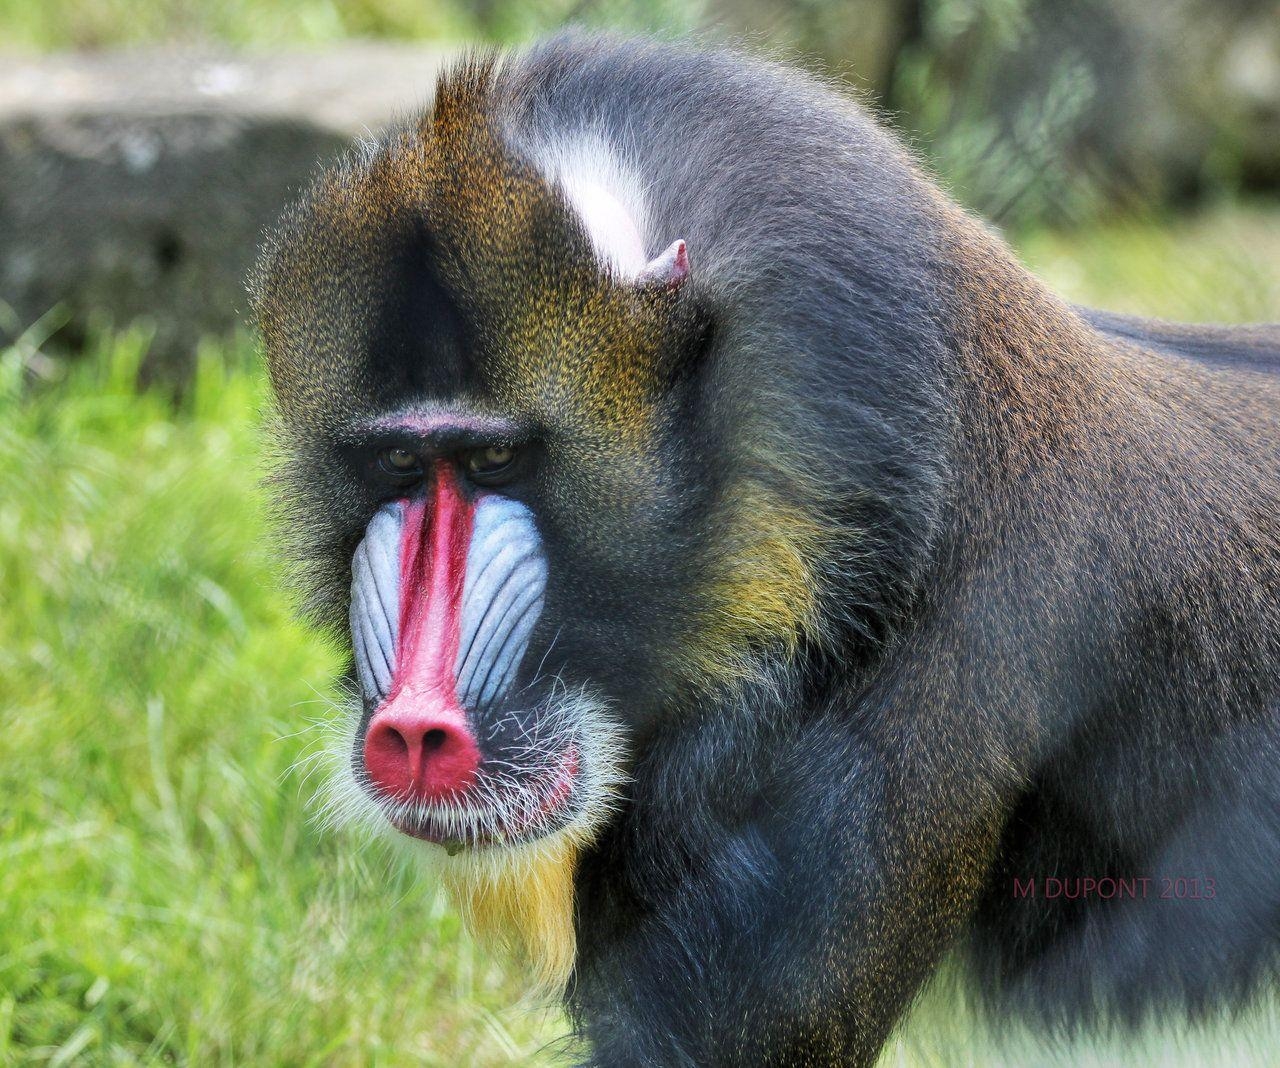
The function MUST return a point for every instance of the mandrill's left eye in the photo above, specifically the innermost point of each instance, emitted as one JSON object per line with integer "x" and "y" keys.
{"x": 400, "y": 464}
{"x": 490, "y": 464}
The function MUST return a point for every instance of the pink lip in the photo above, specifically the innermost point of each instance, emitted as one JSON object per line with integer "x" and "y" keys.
{"x": 554, "y": 800}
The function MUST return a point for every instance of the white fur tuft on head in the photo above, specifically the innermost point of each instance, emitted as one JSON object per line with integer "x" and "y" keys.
{"x": 609, "y": 201}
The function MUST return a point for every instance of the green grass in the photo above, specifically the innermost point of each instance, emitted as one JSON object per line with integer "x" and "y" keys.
{"x": 51, "y": 25}
{"x": 163, "y": 897}
{"x": 103, "y": 23}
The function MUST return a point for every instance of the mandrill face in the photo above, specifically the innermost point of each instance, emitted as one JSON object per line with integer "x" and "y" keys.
{"x": 480, "y": 361}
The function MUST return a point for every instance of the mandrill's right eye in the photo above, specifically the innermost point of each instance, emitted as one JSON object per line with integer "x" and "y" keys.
{"x": 400, "y": 464}
{"x": 490, "y": 465}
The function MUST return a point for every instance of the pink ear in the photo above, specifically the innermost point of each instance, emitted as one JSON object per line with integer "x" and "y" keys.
{"x": 668, "y": 269}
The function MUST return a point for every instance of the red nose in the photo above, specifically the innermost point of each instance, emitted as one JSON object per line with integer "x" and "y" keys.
{"x": 413, "y": 755}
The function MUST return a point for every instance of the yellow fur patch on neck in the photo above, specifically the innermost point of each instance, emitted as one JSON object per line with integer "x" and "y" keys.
{"x": 526, "y": 899}
{"x": 764, "y": 592}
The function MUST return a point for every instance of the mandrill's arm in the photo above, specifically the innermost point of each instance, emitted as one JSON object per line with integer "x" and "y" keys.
{"x": 794, "y": 930}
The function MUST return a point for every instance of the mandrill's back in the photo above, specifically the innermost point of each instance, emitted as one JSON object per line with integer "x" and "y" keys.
{"x": 1221, "y": 380}
{"x": 1250, "y": 347}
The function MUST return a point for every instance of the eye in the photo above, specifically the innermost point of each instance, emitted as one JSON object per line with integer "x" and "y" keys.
{"x": 488, "y": 464}
{"x": 399, "y": 463}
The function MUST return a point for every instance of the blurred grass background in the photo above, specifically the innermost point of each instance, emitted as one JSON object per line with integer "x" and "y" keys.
{"x": 163, "y": 897}
{"x": 293, "y": 23}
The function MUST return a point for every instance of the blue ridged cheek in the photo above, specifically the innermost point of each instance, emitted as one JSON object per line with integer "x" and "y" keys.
{"x": 375, "y": 601}
{"x": 502, "y": 599}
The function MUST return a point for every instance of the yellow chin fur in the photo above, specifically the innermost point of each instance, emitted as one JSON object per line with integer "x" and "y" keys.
{"x": 523, "y": 896}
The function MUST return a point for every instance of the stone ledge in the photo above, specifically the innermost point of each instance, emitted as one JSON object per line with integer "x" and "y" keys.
{"x": 140, "y": 182}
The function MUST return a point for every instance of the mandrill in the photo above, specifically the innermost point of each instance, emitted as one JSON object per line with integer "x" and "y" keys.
{"x": 753, "y": 575}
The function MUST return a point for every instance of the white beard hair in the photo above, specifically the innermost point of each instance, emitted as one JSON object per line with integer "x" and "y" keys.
{"x": 344, "y": 803}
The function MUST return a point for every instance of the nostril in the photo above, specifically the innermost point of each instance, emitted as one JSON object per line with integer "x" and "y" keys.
{"x": 395, "y": 741}
{"x": 418, "y": 756}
